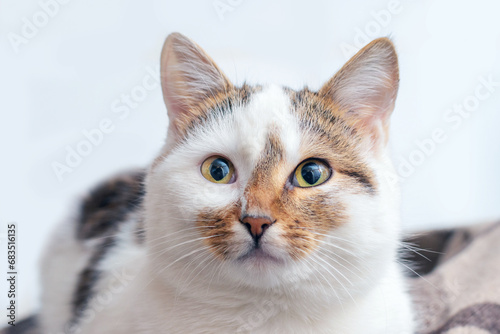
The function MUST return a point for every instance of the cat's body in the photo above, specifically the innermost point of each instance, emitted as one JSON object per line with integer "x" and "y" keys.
{"x": 268, "y": 211}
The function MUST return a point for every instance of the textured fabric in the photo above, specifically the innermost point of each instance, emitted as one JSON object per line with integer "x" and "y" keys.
{"x": 459, "y": 292}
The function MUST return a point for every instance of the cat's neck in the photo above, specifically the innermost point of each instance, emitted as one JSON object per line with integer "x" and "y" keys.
{"x": 196, "y": 290}
{"x": 252, "y": 309}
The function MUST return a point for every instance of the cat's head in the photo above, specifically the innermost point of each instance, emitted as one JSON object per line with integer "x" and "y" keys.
{"x": 269, "y": 187}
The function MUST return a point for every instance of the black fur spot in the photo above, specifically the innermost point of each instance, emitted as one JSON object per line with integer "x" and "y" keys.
{"x": 88, "y": 279}
{"x": 102, "y": 212}
{"x": 108, "y": 205}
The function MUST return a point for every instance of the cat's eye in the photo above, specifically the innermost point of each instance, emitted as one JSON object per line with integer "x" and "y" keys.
{"x": 218, "y": 170}
{"x": 310, "y": 173}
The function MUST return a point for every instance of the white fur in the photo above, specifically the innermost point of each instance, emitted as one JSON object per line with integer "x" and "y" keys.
{"x": 61, "y": 264}
{"x": 352, "y": 285}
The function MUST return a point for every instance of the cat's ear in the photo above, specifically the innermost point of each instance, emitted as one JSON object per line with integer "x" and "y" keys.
{"x": 188, "y": 77}
{"x": 365, "y": 88}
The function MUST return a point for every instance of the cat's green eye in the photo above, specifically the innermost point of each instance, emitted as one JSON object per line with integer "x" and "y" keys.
{"x": 217, "y": 169}
{"x": 311, "y": 173}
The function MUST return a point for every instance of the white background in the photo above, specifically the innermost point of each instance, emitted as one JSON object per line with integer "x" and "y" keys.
{"x": 65, "y": 79}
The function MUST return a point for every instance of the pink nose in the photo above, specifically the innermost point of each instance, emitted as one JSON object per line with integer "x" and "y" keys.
{"x": 256, "y": 225}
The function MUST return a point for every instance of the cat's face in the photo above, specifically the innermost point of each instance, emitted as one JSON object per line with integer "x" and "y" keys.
{"x": 268, "y": 187}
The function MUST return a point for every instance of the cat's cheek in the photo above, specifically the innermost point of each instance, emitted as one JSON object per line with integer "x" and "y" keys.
{"x": 184, "y": 191}
{"x": 240, "y": 242}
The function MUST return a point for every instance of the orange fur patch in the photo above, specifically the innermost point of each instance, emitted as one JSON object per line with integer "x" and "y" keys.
{"x": 331, "y": 138}
{"x": 216, "y": 228}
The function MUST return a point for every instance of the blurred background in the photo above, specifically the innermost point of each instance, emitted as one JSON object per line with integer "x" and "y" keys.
{"x": 80, "y": 98}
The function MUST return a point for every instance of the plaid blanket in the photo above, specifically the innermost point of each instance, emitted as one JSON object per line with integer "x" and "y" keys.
{"x": 457, "y": 289}
{"x": 454, "y": 281}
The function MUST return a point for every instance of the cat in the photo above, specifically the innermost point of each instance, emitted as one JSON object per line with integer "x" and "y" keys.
{"x": 268, "y": 210}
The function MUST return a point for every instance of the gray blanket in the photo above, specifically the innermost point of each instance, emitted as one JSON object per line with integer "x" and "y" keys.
{"x": 458, "y": 290}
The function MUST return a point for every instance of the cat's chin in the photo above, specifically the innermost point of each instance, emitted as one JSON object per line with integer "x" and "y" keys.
{"x": 259, "y": 268}
{"x": 258, "y": 257}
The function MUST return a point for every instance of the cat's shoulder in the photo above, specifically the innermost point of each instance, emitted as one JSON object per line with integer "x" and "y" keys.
{"x": 109, "y": 203}
{"x": 82, "y": 249}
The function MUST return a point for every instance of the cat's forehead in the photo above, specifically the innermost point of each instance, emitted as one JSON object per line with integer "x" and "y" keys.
{"x": 267, "y": 117}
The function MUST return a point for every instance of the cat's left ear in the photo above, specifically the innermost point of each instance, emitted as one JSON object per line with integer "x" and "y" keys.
{"x": 189, "y": 77}
{"x": 364, "y": 90}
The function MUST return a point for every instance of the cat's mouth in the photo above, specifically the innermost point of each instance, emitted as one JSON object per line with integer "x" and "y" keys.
{"x": 259, "y": 256}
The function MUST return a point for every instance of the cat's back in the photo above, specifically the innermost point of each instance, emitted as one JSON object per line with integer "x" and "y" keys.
{"x": 82, "y": 249}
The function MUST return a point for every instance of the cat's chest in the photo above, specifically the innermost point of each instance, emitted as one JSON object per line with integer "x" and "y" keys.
{"x": 379, "y": 311}
{"x": 259, "y": 315}
{"x": 251, "y": 320}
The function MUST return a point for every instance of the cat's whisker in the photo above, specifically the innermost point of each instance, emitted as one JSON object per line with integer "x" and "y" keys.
{"x": 418, "y": 253}
{"x": 417, "y": 250}
{"x": 314, "y": 231}
{"x": 322, "y": 250}
{"x": 342, "y": 259}
{"x": 412, "y": 246}
{"x": 167, "y": 238}
{"x": 335, "y": 277}
{"x": 326, "y": 279}
{"x": 405, "y": 245}
{"x": 416, "y": 273}
{"x": 353, "y": 242}
{"x": 193, "y": 260}
{"x": 159, "y": 253}
{"x": 158, "y": 272}
{"x": 337, "y": 262}
{"x": 163, "y": 251}
{"x": 332, "y": 245}
{"x": 182, "y": 257}
{"x": 161, "y": 243}
{"x": 214, "y": 273}
{"x": 205, "y": 253}
{"x": 321, "y": 283}
{"x": 177, "y": 232}
{"x": 204, "y": 267}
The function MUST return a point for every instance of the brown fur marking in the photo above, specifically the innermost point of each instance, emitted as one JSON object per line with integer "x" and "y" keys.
{"x": 215, "y": 226}
{"x": 218, "y": 104}
{"x": 331, "y": 137}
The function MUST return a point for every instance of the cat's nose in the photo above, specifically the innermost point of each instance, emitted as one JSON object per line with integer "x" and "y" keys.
{"x": 256, "y": 226}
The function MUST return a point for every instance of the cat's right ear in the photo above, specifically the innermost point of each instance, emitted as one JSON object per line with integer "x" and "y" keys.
{"x": 364, "y": 90}
{"x": 188, "y": 78}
